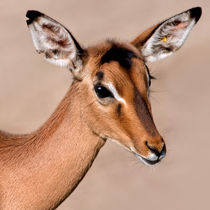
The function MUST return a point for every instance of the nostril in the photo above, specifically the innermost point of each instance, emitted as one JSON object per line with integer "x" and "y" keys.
{"x": 153, "y": 149}
{"x": 160, "y": 154}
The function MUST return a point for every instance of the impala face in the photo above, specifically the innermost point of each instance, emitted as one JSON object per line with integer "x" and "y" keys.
{"x": 117, "y": 98}
{"x": 113, "y": 78}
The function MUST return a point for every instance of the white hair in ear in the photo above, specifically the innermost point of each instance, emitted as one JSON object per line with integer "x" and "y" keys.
{"x": 53, "y": 40}
{"x": 170, "y": 35}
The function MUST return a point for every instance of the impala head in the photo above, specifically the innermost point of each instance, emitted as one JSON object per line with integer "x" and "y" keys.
{"x": 114, "y": 79}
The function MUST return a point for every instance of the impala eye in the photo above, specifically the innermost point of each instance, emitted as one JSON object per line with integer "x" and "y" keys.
{"x": 102, "y": 92}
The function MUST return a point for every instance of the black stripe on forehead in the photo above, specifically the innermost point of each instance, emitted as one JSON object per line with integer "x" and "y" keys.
{"x": 119, "y": 54}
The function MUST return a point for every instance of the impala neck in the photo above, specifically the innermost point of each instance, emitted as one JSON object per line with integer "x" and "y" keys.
{"x": 39, "y": 170}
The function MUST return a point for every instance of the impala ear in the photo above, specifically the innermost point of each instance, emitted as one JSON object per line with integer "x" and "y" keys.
{"x": 167, "y": 37}
{"x": 54, "y": 41}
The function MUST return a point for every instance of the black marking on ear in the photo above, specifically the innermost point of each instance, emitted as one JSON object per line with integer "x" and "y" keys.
{"x": 196, "y": 13}
{"x": 119, "y": 54}
{"x": 32, "y": 15}
{"x": 80, "y": 51}
{"x": 119, "y": 109}
{"x": 100, "y": 75}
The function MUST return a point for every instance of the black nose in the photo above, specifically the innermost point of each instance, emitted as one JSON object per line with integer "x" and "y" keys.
{"x": 155, "y": 151}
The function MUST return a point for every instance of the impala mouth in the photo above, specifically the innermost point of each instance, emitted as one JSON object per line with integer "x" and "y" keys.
{"x": 151, "y": 160}
{"x": 146, "y": 161}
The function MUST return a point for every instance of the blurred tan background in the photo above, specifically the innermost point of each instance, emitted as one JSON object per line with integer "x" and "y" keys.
{"x": 30, "y": 89}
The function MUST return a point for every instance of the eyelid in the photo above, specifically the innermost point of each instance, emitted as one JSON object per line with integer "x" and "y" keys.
{"x": 104, "y": 85}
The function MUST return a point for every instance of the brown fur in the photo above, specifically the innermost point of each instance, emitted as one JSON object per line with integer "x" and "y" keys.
{"x": 50, "y": 162}
{"x": 39, "y": 170}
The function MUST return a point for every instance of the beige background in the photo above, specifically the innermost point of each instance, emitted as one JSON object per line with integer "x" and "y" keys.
{"x": 30, "y": 89}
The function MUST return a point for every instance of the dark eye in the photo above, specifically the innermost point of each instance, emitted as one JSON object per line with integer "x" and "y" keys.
{"x": 102, "y": 92}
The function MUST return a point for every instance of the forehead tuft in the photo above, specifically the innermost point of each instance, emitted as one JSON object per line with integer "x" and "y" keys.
{"x": 120, "y": 54}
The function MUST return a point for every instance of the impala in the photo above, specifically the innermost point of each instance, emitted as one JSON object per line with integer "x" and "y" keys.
{"x": 108, "y": 100}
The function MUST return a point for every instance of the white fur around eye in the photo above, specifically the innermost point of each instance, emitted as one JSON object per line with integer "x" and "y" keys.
{"x": 115, "y": 93}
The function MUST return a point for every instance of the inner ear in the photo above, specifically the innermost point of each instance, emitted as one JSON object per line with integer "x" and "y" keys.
{"x": 54, "y": 41}
{"x": 167, "y": 37}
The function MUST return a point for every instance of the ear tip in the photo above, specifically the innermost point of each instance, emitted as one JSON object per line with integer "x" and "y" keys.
{"x": 196, "y": 13}
{"x": 32, "y": 15}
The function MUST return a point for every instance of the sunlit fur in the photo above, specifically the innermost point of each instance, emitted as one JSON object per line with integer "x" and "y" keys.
{"x": 39, "y": 170}
{"x": 128, "y": 129}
